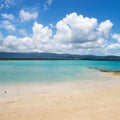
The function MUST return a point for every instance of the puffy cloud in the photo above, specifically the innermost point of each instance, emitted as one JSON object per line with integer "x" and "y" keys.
{"x": 42, "y": 37}
{"x": 41, "y": 33}
{"x": 74, "y": 34}
{"x": 14, "y": 44}
{"x": 116, "y": 36}
{"x": 91, "y": 45}
{"x": 114, "y": 46}
{"x": 79, "y": 33}
{"x": 8, "y": 26}
{"x": 1, "y": 38}
{"x": 76, "y": 29}
{"x": 26, "y": 16}
{"x": 113, "y": 49}
{"x": 7, "y": 16}
{"x": 10, "y": 41}
{"x": 39, "y": 42}
{"x": 105, "y": 27}
{"x": 2, "y": 47}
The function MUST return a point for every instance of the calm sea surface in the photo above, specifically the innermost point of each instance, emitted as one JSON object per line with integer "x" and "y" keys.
{"x": 51, "y": 70}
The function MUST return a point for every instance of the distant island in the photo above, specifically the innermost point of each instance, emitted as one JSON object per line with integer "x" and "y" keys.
{"x": 52, "y": 56}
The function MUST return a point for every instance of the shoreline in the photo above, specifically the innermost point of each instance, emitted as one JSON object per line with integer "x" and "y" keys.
{"x": 106, "y": 81}
{"x": 113, "y": 72}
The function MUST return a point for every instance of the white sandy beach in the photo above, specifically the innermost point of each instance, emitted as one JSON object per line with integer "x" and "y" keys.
{"x": 79, "y": 100}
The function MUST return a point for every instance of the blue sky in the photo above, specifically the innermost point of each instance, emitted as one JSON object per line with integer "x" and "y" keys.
{"x": 60, "y": 26}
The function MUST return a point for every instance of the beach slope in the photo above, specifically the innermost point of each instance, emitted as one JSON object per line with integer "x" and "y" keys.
{"x": 97, "y": 100}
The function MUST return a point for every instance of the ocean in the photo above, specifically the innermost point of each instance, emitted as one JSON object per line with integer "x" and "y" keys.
{"x": 48, "y": 71}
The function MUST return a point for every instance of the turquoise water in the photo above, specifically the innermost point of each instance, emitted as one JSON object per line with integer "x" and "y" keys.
{"x": 51, "y": 70}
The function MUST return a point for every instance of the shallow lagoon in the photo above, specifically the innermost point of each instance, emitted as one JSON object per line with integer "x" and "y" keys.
{"x": 47, "y": 71}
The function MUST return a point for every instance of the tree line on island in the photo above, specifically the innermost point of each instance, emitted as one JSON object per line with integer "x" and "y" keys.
{"x": 52, "y": 56}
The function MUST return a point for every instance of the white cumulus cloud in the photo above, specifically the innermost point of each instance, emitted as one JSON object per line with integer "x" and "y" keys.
{"x": 116, "y": 36}
{"x": 77, "y": 29}
{"x": 42, "y": 37}
{"x": 79, "y": 33}
{"x": 72, "y": 34}
{"x": 26, "y": 16}
{"x": 105, "y": 27}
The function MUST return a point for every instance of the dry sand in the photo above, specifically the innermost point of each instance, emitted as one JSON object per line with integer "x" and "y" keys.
{"x": 86, "y": 100}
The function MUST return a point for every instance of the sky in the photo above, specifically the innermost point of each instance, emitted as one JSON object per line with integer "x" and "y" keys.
{"x": 60, "y": 26}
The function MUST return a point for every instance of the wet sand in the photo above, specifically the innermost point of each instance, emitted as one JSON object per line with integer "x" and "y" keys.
{"x": 79, "y": 100}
